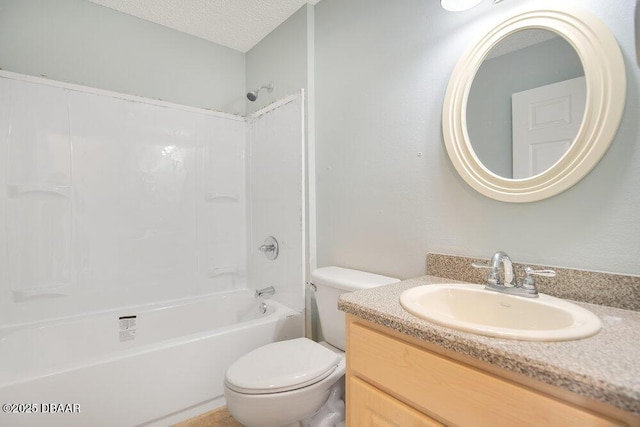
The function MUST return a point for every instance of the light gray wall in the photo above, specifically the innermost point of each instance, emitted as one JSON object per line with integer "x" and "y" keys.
{"x": 279, "y": 59}
{"x": 80, "y": 42}
{"x": 490, "y": 129}
{"x": 387, "y": 192}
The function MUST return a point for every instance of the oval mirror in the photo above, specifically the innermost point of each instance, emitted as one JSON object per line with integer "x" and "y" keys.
{"x": 532, "y": 107}
{"x": 526, "y": 103}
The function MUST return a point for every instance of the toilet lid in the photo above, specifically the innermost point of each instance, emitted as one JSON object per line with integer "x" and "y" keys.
{"x": 281, "y": 366}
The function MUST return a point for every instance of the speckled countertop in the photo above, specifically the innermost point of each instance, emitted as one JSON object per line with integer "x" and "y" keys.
{"x": 605, "y": 367}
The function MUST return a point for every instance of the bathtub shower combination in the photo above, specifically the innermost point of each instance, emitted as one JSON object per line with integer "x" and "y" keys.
{"x": 137, "y": 365}
{"x": 129, "y": 262}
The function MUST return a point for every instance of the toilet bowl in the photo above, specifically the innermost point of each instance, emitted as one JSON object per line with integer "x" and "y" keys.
{"x": 282, "y": 383}
{"x": 299, "y": 382}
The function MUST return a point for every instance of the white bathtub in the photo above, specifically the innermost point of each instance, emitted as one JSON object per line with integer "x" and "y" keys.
{"x": 168, "y": 366}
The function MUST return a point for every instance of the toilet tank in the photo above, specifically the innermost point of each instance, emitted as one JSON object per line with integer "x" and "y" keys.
{"x": 330, "y": 283}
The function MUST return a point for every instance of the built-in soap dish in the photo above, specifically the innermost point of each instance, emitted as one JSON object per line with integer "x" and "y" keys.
{"x": 41, "y": 190}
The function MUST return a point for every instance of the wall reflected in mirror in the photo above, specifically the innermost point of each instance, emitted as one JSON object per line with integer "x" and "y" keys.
{"x": 526, "y": 103}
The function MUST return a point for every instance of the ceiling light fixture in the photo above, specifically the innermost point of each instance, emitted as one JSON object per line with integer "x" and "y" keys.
{"x": 458, "y": 5}
{"x": 461, "y": 5}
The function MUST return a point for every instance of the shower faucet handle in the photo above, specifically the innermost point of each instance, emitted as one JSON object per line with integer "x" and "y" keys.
{"x": 270, "y": 248}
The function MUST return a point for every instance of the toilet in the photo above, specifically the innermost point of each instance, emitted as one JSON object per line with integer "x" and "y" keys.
{"x": 299, "y": 382}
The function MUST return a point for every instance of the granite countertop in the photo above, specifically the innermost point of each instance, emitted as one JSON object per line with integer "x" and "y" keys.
{"x": 605, "y": 367}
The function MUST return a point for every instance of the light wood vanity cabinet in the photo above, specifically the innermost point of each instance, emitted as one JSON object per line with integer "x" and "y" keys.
{"x": 372, "y": 407}
{"x": 394, "y": 380}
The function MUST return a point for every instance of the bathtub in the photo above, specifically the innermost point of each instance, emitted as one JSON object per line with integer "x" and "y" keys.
{"x": 151, "y": 365}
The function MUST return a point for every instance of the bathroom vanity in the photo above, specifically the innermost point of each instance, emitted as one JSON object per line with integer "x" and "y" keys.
{"x": 405, "y": 371}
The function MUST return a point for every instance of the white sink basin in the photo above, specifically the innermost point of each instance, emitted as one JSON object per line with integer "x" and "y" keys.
{"x": 471, "y": 308}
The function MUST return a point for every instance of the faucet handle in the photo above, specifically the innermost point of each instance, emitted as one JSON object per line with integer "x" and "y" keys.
{"x": 493, "y": 274}
{"x": 546, "y": 273}
{"x": 481, "y": 265}
{"x": 529, "y": 281}
{"x": 270, "y": 248}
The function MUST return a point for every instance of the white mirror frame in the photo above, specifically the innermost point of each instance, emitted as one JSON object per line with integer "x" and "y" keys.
{"x": 606, "y": 91}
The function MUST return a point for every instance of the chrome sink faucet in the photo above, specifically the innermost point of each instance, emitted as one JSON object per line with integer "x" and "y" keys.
{"x": 494, "y": 269}
{"x": 528, "y": 286}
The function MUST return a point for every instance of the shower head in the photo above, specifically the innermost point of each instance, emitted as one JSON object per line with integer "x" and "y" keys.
{"x": 253, "y": 95}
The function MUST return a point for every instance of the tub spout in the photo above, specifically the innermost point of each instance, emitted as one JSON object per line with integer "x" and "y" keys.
{"x": 265, "y": 292}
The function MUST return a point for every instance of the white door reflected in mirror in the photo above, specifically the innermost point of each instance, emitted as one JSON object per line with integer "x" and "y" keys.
{"x": 545, "y": 122}
{"x": 523, "y": 61}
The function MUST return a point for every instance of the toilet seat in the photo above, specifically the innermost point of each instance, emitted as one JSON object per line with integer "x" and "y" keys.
{"x": 281, "y": 366}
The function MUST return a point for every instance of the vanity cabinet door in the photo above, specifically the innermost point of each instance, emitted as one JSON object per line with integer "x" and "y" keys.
{"x": 455, "y": 392}
{"x": 370, "y": 407}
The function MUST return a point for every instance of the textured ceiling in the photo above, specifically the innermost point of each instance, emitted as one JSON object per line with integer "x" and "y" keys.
{"x": 238, "y": 24}
{"x": 520, "y": 40}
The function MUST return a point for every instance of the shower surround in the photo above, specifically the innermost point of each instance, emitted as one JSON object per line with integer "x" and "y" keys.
{"x": 112, "y": 203}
